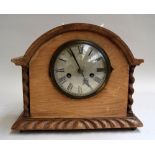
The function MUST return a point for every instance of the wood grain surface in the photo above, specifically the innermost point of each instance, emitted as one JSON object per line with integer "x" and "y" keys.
{"x": 47, "y": 101}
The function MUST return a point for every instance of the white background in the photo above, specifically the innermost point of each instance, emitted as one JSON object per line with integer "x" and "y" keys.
{"x": 17, "y": 32}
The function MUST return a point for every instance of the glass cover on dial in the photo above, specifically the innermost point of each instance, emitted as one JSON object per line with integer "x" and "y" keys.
{"x": 80, "y": 68}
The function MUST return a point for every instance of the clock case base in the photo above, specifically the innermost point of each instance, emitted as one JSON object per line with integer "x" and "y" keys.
{"x": 29, "y": 124}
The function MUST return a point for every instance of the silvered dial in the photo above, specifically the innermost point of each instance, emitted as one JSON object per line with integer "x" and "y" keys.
{"x": 80, "y": 69}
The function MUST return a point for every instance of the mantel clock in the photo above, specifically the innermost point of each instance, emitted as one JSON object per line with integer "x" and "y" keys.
{"x": 77, "y": 76}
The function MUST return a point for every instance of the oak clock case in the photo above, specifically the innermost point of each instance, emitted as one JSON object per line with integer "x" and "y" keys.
{"x": 75, "y": 77}
{"x": 80, "y": 69}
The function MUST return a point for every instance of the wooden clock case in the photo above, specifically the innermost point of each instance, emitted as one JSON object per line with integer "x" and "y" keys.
{"x": 45, "y": 108}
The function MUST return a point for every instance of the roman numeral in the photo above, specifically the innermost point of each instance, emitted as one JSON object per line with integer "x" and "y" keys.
{"x": 98, "y": 59}
{"x": 62, "y": 80}
{"x": 70, "y": 86}
{"x": 97, "y": 79}
{"x": 60, "y": 70}
{"x": 100, "y": 69}
{"x": 90, "y": 52}
{"x": 69, "y": 50}
{"x": 79, "y": 90}
{"x": 80, "y": 49}
{"x": 62, "y": 60}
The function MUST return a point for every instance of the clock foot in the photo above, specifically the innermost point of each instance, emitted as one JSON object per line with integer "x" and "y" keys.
{"x": 133, "y": 128}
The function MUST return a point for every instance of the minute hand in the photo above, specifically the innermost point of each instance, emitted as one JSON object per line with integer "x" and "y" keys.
{"x": 75, "y": 59}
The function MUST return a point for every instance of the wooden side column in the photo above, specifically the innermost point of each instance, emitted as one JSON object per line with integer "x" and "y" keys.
{"x": 26, "y": 98}
{"x": 131, "y": 90}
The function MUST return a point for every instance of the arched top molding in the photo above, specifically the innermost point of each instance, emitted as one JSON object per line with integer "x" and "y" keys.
{"x": 24, "y": 60}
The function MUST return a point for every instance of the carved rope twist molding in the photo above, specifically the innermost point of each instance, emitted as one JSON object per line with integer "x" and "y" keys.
{"x": 25, "y": 74}
{"x": 77, "y": 124}
{"x": 131, "y": 89}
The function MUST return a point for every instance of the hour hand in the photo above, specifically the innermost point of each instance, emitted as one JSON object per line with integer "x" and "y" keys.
{"x": 85, "y": 81}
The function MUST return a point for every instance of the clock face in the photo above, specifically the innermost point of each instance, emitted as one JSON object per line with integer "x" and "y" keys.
{"x": 80, "y": 69}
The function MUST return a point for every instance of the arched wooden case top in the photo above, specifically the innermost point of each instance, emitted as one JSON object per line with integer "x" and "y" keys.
{"x": 45, "y": 108}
